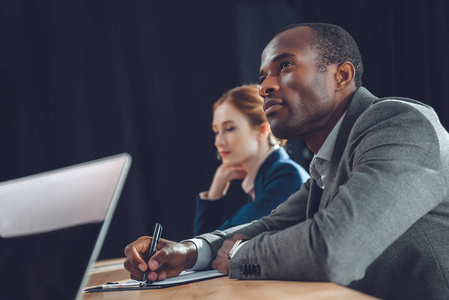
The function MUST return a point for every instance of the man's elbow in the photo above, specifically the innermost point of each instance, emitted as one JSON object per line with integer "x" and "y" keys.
{"x": 337, "y": 271}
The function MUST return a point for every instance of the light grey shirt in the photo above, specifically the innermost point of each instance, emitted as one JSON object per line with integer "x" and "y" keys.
{"x": 321, "y": 161}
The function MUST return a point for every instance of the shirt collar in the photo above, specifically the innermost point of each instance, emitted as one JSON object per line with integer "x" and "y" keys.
{"x": 321, "y": 161}
{"x": 328, "y": 146}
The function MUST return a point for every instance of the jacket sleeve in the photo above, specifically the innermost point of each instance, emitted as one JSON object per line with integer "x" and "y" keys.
{"x": 394, "y": 177}
{"x": 285, "y": 215}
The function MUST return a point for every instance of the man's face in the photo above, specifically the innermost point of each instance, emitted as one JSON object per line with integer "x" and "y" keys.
{"x": 298, "y": 96}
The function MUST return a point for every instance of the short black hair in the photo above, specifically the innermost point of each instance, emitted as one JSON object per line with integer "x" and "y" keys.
{"x": 334, "y": 45}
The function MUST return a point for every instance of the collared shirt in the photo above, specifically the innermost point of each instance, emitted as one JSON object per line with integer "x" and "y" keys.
{"x": 321, "y": 161}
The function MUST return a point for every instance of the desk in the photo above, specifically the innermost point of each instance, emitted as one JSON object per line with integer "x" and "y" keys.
{"x": 219, "y": 288}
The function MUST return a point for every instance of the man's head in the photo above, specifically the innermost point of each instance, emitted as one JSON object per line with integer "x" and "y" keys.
{"x": 306, "y": 81}
{"x": 334, "y": 45}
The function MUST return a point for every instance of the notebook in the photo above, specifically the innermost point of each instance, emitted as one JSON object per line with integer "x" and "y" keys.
{"x": 183, "y": 278}
{"x": 52, "y": 227}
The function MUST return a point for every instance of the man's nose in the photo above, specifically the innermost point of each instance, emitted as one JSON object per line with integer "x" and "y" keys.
{"x": 268, "y": 86}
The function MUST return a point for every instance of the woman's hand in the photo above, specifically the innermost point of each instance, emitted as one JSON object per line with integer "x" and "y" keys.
{"x": 223, "y": 176}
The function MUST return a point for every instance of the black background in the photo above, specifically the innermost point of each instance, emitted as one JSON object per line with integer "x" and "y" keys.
{"x": 81, "y": 80}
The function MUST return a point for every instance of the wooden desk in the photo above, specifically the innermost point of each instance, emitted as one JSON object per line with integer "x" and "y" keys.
{"x": 220, "y": 288}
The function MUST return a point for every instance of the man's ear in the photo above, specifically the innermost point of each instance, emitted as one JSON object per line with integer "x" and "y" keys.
{"x": 344, "y": 75}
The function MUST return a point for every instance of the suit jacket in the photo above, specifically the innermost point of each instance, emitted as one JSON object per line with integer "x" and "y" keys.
{"x": 381, "y": 224}
{"x": 277, "y": 178}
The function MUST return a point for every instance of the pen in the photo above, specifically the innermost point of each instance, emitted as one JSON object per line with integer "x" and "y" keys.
{"x": 156, "y": 236}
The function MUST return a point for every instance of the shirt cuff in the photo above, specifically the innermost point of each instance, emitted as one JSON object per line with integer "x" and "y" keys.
{"x": 204, "y": 254}
{"x": 237, "y": 249}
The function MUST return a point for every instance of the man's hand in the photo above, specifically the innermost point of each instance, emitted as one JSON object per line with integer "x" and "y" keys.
{"x": 221, "y": 263}
{"x": 170, "y": 259}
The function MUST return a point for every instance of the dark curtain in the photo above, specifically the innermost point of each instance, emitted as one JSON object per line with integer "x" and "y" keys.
{"x": 81, "y": 80}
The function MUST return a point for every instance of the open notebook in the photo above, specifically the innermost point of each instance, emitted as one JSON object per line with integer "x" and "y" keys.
{"x": 52, "y": 227}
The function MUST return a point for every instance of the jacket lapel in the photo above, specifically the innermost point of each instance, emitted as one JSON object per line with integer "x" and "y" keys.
{"x": 360, "y": 102}
{"x": 313, "y": 202}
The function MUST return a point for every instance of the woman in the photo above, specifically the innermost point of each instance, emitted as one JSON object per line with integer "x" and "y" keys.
{"x": 250, "y": 152}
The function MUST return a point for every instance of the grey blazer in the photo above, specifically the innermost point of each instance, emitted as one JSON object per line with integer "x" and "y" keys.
{"x": 381, "y": 224}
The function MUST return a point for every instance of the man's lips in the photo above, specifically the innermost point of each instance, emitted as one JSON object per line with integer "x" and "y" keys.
{"x": 271, "y": 105}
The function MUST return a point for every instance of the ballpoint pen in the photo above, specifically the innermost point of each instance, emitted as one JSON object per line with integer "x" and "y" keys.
{"x": 154, "y": 241}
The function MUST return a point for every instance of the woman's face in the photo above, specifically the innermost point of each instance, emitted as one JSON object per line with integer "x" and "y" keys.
{"x": 236, "y": 140}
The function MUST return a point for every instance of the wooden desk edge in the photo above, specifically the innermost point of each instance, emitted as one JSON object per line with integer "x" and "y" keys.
{"x": 113, "y": 270}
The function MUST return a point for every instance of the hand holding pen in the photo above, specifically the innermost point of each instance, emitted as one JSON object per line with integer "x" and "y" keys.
{"x": 154, "y": 241}
{"x": 169, "y": 260}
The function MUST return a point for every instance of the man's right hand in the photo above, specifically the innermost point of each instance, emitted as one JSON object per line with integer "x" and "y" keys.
{"x": 170, "y": 259}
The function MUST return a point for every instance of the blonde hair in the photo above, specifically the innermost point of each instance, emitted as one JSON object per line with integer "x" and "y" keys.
{"x": 247, "y": 100}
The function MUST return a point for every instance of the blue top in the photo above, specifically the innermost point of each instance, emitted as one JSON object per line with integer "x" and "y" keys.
{"x": 278, "y": 177}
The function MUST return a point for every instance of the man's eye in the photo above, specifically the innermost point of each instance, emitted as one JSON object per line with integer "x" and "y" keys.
{"x": 261, "y": 79}
{"x": 285, "y": 64}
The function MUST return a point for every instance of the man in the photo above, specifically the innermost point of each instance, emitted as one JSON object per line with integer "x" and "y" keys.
{"x": 375, "y": 214}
